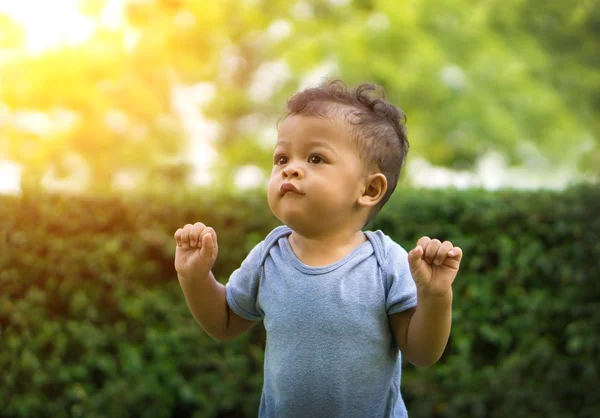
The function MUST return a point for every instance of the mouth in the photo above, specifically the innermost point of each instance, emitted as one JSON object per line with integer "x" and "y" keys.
{"x": 288, "y": 187}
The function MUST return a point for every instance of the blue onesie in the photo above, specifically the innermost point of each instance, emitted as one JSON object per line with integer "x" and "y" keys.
{"x": 330, "y": 351}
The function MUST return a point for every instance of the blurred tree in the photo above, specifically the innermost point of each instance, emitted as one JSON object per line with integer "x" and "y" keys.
{"x": 518, "y": 77}
{"x": 116, "y": 91}
{"x": 512, "y": 76}
{"x": 515, "y": 77}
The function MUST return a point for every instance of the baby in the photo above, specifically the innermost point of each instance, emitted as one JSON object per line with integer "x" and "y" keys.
{"x": 339, "y": 305}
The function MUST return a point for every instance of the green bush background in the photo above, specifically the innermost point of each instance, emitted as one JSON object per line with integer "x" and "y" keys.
{"x": 93, "y": 322}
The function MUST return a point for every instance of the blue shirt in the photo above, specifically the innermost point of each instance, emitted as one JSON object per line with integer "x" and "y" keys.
{"x": 330, "y": 351}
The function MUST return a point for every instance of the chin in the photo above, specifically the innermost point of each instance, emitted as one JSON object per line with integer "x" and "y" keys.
{"x": 289, "y": 217}
{"x": 306, "y": 226}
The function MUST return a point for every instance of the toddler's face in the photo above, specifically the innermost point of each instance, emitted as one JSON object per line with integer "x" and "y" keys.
{"x": 317, "y": 174}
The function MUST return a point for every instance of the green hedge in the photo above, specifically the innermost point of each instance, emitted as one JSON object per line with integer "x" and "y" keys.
{"x": 93, "y": 322}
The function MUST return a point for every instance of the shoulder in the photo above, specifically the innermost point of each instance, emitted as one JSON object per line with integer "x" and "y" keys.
{"x": 256, "y": 257}
{"x": 271, "y": 240}
{"x": 388, "y": 252}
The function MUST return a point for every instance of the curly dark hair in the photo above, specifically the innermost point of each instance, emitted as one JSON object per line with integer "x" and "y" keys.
{"x": 378, "y": 127}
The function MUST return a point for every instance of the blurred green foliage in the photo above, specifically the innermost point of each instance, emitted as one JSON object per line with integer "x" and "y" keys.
{"x": 93, "y": 322}
{"x": 518, "y": 77}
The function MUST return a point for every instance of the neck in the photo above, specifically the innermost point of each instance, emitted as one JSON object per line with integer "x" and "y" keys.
{"x": 321, "y": 250}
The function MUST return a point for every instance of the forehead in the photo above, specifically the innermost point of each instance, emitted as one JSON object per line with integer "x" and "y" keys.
{"x": 314, "y": 128}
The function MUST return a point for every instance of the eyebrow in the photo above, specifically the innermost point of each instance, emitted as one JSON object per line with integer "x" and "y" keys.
{"x": 313, "y": 142}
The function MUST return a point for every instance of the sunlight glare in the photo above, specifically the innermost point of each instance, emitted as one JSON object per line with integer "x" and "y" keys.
{"x": 10, "y": 177}
{"x": 49, "y": 24}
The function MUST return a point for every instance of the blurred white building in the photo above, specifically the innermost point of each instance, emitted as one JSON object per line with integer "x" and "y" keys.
{"x": 491, "y": 173}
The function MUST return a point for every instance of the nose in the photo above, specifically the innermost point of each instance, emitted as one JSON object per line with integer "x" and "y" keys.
{"x": 291, "y": 170}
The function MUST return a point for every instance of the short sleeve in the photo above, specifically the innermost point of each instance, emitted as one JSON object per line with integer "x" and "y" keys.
{"x": 401, "y": 288}
{"x": 242, "y": 287}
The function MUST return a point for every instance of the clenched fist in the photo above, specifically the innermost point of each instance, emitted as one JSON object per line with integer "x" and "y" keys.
{"x": 196, "y": 251}
{"x": 434, "y": 265}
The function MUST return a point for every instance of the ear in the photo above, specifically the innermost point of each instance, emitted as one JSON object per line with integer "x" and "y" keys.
{"x": 375, "y": 188}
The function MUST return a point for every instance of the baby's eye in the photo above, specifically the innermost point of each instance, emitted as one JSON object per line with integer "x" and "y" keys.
{"x": 280, "y": 159}
{"x": 315, "y": 159}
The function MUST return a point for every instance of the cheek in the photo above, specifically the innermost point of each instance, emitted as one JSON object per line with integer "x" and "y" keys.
{"x": 338, "y": 191}
{"x": 273, "y": 180}
{"x": 275, "y": 174}
{"x": 272, "y": 189}
{"x": 271, "y": 200}
{"x": 334, "y": 183}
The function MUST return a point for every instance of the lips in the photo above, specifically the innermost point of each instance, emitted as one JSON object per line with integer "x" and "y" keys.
{"x": 288, "y": 187}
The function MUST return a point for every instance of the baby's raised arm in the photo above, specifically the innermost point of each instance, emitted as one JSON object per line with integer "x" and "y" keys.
{"x": 195, "y": 255}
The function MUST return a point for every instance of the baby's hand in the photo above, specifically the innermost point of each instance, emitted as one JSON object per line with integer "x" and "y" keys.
{"x": 434, "y": 265}
{"x": 196, "y": 251}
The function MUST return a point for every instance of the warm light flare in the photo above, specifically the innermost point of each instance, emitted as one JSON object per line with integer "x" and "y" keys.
{"x": 50, "y": 24}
